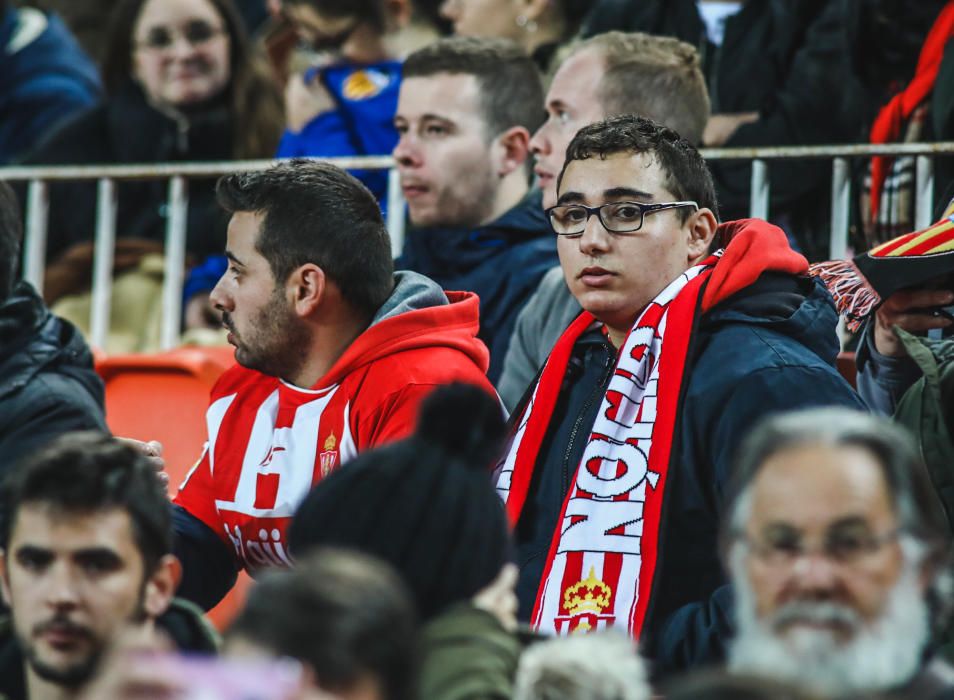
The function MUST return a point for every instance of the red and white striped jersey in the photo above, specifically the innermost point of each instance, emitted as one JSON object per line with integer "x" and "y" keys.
{"x": 270, "y": 442}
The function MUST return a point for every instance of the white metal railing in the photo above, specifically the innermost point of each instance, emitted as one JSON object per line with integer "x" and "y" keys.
{"x": 178, "y": 175}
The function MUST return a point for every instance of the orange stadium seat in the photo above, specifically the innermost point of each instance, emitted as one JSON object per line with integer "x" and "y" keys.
{"x": 164, "y": 397}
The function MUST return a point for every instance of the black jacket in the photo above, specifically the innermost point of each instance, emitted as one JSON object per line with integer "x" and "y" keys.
{"x": 789, "y": 61}
{"x": 126, "y": 129}
{"x": 768, "y": 348}
{"x": 502, "y": 262}
{"x": 47, "y": 383}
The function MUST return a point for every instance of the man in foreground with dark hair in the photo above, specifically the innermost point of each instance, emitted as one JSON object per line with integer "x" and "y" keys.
{"x": 614, "y": 476}
{"x": 345, "y": 616}
{"x": 838, "y": 552}
{"x": 86, "y": 556}
{"x": 47, "y": 383}
{"x": 465, "y": 113}
{"x": 614, "y": 73}
{"x": 335, "y": 354}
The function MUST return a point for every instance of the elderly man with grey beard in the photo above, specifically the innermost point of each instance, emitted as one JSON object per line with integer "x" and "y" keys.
{"x": 837, "y": 551}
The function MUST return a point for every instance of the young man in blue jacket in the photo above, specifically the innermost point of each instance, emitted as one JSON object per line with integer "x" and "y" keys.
{"x": 691, "y": 331}
{"x": 465, "y": 114}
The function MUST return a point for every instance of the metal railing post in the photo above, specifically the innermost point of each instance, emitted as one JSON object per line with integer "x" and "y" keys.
{"x": 103, "y": 262}
{"x": 924, "y": 187}
{"x": 174, "y": 263}
{"x": 759, "y": 195}
{"x": 34, "y": 246}
{"x": 840, "y": 209}
{"x": 395, "y": 212}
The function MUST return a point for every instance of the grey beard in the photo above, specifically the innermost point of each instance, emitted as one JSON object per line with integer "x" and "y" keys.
{"x": 881, "y": 655}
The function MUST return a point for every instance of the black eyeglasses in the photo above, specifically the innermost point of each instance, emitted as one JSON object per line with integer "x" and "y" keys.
{"x": 618, "y": 217}
{"x": 195, "y": 33}
{"x": 845, "y": 548}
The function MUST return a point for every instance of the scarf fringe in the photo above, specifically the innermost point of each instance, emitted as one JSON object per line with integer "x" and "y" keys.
{"x": 854, "y": 297}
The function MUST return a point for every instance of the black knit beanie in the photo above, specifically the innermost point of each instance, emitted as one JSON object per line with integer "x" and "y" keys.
{"x": 426, "y": 505}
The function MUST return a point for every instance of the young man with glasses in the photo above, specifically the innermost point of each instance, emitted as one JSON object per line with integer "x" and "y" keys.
{"x": 690, "y": 332}
{"x": 837, "y": 552}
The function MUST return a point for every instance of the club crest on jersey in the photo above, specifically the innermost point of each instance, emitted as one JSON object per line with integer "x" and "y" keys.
{"x": 585, "y": 603}
{"x": 364, "y": 84}
{"x": 329, "y": 455}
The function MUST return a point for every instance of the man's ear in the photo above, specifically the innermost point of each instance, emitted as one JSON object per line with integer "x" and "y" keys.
{"x": 510, "y": 150}
{"x": 702, "y": 227}
{"x": 307, "y": 285}
{"x": 161, "y": 586}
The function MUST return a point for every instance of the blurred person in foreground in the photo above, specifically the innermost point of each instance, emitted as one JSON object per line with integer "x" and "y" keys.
{"x": 47, "y": 382}
{"x": 607, "y": 75}
{"x": 692, "y": 332}
{"x": 426, "y": 506}
{"x": 47, "y": 78}
{"x": 86, "y": 559}
{"x": 601, "y": 666}
{"x": 335, "y": 353}
{"x": 541, "y": 27}
{"x": 465, "y": 113}
{"x": 839, "y": 558}
{"x": 182, "y": 84}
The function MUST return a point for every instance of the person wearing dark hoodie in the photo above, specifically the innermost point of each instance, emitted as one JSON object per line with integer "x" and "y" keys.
{"x": 691, "y": 331}
{"x": 335, "y": 353}
{"x": 426, "y": 506}
{"x": 47, "y": 383}
{"x": 85, "y": 560}
{"x": 45, "y": 77}
{"x": 465, "y": 113}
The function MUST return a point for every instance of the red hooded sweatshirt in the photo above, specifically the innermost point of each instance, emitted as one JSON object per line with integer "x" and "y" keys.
{"x": 269, "y": 442}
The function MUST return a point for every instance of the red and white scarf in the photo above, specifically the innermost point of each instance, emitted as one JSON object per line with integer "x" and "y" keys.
{"x": 600, "y": 567}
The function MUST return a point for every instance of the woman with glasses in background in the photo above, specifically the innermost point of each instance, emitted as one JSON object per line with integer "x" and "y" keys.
{"x": 182, "y": 85}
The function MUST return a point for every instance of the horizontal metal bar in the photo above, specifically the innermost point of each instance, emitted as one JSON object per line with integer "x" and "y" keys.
{"x": 144, "y": 171}
{"x": 152, "y": 171}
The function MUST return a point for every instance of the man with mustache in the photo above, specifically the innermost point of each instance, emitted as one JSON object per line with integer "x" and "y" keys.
{"x": 335, "y": 354}
{"x": 465, "y": 112}
{"x": 86, "y": 557}
{"x": 837, "y": 550}
{"x": 691, "y": 331}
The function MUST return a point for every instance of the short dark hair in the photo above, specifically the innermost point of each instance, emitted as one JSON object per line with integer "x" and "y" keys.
{"x": 317, "y": 213}
{"x": 657, "y": 77}
{"x": 511, "y": 90}
{"x": 343, "y": 613}
{"x": 11, "y": 233}
{"x": 370, "y": 11}
{"x": 89, "y": 472}
{"x": 687, "y": 175}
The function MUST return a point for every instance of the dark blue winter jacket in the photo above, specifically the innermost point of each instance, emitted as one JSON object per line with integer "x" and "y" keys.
{"x": 502, "y": 262}
{"x": 362, "y": 124}
{"x": 44, "y": 78}
{"x": 769, "y": 348}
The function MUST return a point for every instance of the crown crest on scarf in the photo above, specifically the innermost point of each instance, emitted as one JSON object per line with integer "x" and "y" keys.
{"x": 587, "y": 596}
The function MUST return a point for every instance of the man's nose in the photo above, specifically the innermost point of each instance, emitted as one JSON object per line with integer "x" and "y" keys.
{"x": 595, "y": 238}
{"x": 815, "y": 573}
{"x": 219, "y": 298}
{"x": 62, "y": 586}
{"x": 540, "y": 144}
{"x": 406, "y": 153}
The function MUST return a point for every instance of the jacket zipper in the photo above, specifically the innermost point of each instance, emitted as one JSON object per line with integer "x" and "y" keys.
{"x": 608, "y": 366}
